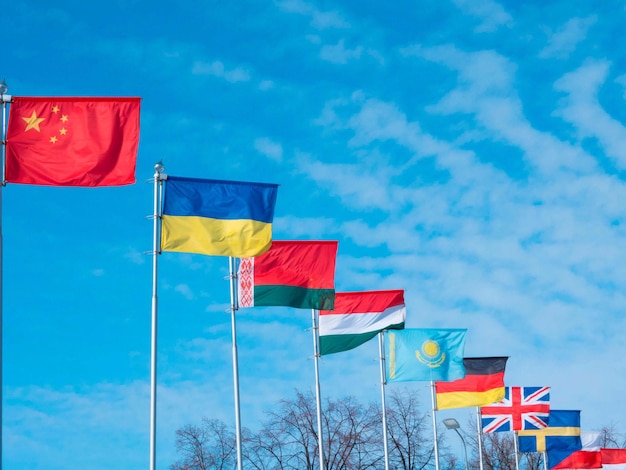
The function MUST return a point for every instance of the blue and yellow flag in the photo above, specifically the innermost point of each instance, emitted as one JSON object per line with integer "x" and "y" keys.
{"x": 559, "y": 440}
{"x": 424, "y": 354}
{"x": 222, "y": 218}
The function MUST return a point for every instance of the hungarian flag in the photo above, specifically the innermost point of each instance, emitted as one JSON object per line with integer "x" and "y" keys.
{"x": 72, "y": 141}
{"x": 358, "y": 317}
{"x": 299, "y": 274}
{"x": 483, "y": 384}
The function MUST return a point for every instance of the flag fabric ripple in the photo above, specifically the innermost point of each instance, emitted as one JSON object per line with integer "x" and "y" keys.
{"x": 358, "y": 317}
{"x": 72, "y": 141}
{"x": 298, "y": 274}
{"x": 222, "y": 218}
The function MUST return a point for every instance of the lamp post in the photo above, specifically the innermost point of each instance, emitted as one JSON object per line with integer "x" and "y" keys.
{"x": 453, "y": 424}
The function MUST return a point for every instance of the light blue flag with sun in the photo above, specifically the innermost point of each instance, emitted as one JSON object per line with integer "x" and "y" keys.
{"x": 425, "y": 354}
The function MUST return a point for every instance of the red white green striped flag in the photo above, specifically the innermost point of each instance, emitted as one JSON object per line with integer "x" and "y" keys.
{"x": 358, "y": 317}
{"x": 299, "y": 274}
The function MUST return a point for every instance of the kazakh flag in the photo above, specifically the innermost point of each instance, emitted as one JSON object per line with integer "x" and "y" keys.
{"x": 425, "y": 354}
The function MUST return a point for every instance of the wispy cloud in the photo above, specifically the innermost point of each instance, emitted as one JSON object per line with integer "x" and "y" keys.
{"x": 272, "y": 150}
{"x": 581, "y": 107}
{"x": 564, "y": 41}
{"x": 339, "y": 54}
{"x": 319, "y": 19}
{"x": 491, "y": 14}
{"x": 217, "y": 69}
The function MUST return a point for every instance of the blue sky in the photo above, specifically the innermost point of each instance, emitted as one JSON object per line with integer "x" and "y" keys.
{"x": 471, "y": 152}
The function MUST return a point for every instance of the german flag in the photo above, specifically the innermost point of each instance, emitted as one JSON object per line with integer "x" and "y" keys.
{"x": 483, "y": 384}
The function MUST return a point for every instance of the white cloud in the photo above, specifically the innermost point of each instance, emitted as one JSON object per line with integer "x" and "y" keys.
{"x": 319, "y": 19}
{"x": 338, "y": 54}
{"x": 269, "y": 148}
{"x": 135, "y": 256}
{"x": 581, "y": 107}
{"x": 184, "y": 290}
{"x": 565, "y": 40}
{"x": 485, "y": 90}
{"x": 491, "y": 14}
{"x": 217, "y": 69}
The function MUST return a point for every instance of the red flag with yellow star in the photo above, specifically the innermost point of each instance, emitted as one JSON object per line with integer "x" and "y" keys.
{"x": 72, "y": 141}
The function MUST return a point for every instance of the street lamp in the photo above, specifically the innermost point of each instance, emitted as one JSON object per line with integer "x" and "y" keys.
{"x": 452, "y": 423}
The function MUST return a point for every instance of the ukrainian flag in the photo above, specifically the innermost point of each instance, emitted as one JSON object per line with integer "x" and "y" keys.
{"x": 222, "y": 218}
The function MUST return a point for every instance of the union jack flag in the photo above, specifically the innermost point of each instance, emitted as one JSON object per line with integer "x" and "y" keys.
{"x": 521, "y": 408}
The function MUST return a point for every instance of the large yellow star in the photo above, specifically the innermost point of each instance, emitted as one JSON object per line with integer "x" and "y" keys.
{"x": 33, "y": 122}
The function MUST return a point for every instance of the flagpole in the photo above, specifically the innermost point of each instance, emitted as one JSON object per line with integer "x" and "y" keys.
{"x": 318, "y": 400}
{"x": 233, "y": 309}
{"x": 5, "y": 99}
{"x": 480, "y": 437}
{"x": 156, "y": 217}
{"x": 516, "y": 450}
{"x": 432, "y": 398}
{"x": 381, "y": 353}
{"x": 545, "y": 460}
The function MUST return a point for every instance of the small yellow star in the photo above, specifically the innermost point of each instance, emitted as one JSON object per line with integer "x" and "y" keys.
{"x": 33, "y": 122}
{"x": 55, "y": 109}
{"x": 53, "y": 139}
{"x": 64, "y": 118}
{"x": 63, "y": 131}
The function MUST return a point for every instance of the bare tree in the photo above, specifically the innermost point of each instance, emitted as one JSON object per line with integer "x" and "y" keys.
{"x": 411, "y": 446}
{"x": 353, "y": 435}
{"x": 352, "y": 438}
{"x": 498, "y": 451}
{"x": 209, "y": 446}
{"x": 611, "y": 438}
{"x": 264, "y": 450}
{"x": 289, "y": 437}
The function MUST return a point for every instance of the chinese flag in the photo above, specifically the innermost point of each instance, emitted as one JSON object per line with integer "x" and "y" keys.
{"x": 72, "y": 141}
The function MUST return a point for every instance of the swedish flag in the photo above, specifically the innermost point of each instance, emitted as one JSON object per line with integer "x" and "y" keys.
{"x": 559, "y": 440}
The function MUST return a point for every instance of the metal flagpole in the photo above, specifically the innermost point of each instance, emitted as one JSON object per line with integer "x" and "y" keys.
{"x": 479, "y": 431}
{"x": 516, "y": 450}
{"x": 545, "y": 460}
{"x": 318, "y": 400}
{"x": 5, "y": 99}
{"x": 383, "y": 381}
{"x": 432, "y": 397}
{"x": 233, "y": 310}
{"x": 156, "y": 249}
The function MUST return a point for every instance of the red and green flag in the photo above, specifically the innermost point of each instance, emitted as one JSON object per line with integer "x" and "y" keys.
{"x": 358, "y": 317}
{"x": 299, "y": 274}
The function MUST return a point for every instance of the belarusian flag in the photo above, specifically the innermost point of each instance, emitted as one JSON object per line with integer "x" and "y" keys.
{"x": 358, "y": 317}
{"x": 299, "y": 274}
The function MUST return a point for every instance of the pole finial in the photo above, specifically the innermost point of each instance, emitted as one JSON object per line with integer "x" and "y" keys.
{"x": 159, "y": 167}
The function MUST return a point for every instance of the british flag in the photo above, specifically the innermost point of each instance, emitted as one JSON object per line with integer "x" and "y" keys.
{"x": 521, "y": 408}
